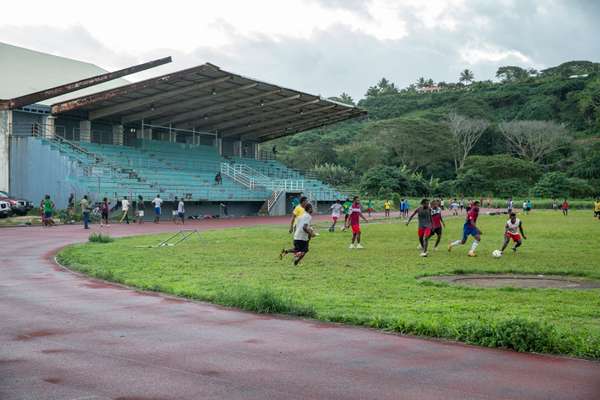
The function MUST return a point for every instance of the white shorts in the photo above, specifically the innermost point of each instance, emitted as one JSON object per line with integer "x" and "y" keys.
{"x": 174, "y": 212}
{"x": 140, "y": 213}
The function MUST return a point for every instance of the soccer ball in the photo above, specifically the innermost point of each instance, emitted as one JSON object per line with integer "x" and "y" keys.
{"x": 496, "y": 254}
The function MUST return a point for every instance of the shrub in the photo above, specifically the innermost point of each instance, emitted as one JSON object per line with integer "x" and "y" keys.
{"x": 100, "y": 238}
{"x": 262, "y": 301}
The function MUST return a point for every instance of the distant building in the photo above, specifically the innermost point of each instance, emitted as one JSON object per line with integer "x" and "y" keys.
{"x": 429, "y": 89}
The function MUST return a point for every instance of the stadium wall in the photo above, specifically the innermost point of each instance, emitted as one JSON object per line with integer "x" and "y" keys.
{"x": 5, "y": 128}
{"x": 36, "y": 170}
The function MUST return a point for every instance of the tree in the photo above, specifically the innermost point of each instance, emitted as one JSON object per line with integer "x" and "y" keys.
{"x": 332, "y": 173}
{"x": 465, "y": 133}
{"x": 421, "y": 83}
{"x": 383, "y": 87}
{"x": 552, "y": 184}
{"x": 534, "y": 140}
{"x": 385, "y": 179}
{"x": 511, "y": 73}
{"x": 466, "y": 76}
{"x": 344, "y": 98}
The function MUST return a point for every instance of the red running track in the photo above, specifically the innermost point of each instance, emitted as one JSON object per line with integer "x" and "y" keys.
{"x": 63, "y": 336}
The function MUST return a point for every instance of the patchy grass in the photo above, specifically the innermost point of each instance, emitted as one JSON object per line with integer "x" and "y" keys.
{"x": 100, "y": 238}
{"x": 378, "y": 286}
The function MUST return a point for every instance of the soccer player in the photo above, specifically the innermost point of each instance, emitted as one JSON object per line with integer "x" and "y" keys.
{"x": 525, "y": 210}
{"x": 369, "y": 207}
{"x": 125, "y": 209}
{"x": 157, "y": 208}
{"x": 437, "y": 222}
{"x": 565, "y": 207}
{"x": 513, "y": 230}
{"x": 387, "y": 206}
{"x": 354, "y": 222}
{"x": 454, "y": 207}
{"x": 336, "y": 212}
{"x": 424, "y": 231}
{"x": 181, "y": 210}
{"x": 406, "y": 207}
{"x": 597, "y": 208}
{"x": 470, "y": 229}
{"x": 302, "y": 235}
{"x": 298, "y": 212}
{"x": 346, "y": 206}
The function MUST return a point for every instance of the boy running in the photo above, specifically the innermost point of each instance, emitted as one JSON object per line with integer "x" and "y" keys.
{"x": 302, "y": 235}
{"x": 125, "y": 209}
{"x": 387, "y": 206}
{"x": 48, "y": 210}
{"x": 470, "y": 229}
{"x": 436, "y": 222}
{"x": 354, "y": 222}
{"x": 298, "y": 212}
{"x": 424, "y": 231}
{"x": 513, "y": 230}
{"x": 336, "y": 212}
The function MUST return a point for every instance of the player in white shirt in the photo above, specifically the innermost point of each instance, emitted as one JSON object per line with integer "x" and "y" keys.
{"x": 125, "y": 208}
{"x": 157, "y": 206}
{"x": 302, "y": 235}
{"x": 336, "y": 212}
{"x": 513, "y": 230}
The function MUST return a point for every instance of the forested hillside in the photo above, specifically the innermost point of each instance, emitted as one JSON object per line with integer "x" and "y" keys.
{"x": 530, "y": 133}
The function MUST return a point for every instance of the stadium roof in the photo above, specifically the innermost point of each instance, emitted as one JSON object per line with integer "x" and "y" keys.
{"x": 208, "y": 99}
{"x": 24, "y": 71}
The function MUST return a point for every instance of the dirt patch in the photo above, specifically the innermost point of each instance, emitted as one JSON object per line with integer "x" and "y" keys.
{"x": 517, "y": 281}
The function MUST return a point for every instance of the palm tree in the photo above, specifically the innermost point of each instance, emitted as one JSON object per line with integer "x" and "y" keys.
{"x": 466, "y": 76}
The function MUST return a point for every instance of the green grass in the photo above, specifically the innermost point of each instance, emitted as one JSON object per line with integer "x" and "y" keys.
{"x": 378, "y": 286}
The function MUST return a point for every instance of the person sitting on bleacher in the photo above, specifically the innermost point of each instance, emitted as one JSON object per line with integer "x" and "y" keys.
{"x": 218, "y": 179}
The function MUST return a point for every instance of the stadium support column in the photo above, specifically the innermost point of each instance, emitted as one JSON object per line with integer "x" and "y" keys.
{"x": 117, "y": 135}
{"x": 85, "y": 131}
{"x": 5, "y": 130}
{"x": 218, "y": 143}
{"x": 50, "y": 127}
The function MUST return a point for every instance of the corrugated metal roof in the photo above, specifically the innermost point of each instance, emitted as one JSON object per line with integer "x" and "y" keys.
{"x": 24, "y": 71}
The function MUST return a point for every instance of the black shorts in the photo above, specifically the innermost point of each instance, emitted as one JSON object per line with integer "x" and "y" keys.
{"x": 436, "y": 231}
{"x": 596, "y": 213}
{"x": 301, "y": 246}
{"x": 105, "y": 215}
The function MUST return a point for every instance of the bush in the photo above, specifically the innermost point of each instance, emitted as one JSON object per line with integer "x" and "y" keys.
{"x": 100, "y": 238}
{"x": 262, "y": 301}
{"x": 552, "y": 185}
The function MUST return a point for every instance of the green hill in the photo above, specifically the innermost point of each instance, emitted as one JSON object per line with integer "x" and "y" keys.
{"x": 408, "y": 131}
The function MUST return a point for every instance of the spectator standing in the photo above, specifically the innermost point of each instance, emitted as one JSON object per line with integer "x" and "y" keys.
{"x": 157, "y": 208}
{"x": 139, "y": 209}
{"x": 85, "y": 211}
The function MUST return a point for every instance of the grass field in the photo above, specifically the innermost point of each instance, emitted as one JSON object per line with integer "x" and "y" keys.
{"x": 378, "y": 286}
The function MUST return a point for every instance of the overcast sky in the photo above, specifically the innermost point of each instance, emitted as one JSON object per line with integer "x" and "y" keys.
{"x": 320, "y": 46}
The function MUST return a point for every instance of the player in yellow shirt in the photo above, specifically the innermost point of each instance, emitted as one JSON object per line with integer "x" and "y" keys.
{"x": 298, "y": 212}
{"x": 387, "y": 206}
{"x": 597, "y": 208}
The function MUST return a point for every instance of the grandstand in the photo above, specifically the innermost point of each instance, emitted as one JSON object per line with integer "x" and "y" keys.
{"x": 168, "y": 135}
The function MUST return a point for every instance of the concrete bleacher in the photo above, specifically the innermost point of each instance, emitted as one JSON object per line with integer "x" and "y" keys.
{"x": 174, "y": 169}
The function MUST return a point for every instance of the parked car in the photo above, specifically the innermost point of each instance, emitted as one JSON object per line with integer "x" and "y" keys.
{"x": 5, "y": 210}
{"x": 18, "y": 206}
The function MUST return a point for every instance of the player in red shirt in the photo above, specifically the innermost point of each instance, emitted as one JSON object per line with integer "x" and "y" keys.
{"x": 436, "y": 222}
{"x": 470, "y": 229}
{"x": 565, "y": 207}
{"x": 355, "y": 214}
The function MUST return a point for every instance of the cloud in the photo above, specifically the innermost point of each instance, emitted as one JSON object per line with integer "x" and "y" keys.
{"x": 397, "y": 40}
